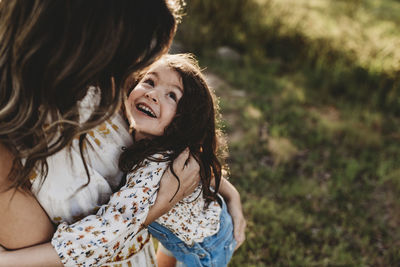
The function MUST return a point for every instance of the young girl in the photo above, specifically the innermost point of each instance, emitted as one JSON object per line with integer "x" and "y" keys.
{"x": 170, "y": 109}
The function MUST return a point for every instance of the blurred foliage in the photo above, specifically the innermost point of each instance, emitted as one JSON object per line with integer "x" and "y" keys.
{"x": 351, "y": 44}
{"x": 312, "y": 114}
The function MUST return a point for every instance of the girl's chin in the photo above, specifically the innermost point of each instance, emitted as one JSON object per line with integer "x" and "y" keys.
{"x": 143, "y": 135}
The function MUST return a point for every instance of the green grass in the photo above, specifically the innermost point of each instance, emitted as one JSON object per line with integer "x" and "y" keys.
{"x": 312, "y": 114}
{"x": 319, "y": 179}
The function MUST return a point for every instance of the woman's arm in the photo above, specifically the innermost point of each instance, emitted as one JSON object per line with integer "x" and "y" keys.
{"x": 232, "y": 199}
{"x": 185, "y": 167}
{"x": 113, "y": 216}
{"x": 42, "y": 255}
{"x": 23, "y": 221}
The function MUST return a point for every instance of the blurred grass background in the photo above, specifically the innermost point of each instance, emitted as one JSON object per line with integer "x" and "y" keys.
{"x": 311, "y": 105}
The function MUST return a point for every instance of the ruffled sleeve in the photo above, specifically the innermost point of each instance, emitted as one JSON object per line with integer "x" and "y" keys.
{"x": 98, "y": 238}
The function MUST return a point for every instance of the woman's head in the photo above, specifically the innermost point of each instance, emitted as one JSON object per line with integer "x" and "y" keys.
{"x": 51, "y": 51}
{"x": 175, "y": 81}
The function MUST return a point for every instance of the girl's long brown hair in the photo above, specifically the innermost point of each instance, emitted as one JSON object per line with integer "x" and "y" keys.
{"x": 194, "y": 126}
{"x": 52, "y": 51}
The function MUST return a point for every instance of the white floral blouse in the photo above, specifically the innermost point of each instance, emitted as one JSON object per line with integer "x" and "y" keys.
{"x": 101, "y": 236}
{"x": 190, "y": 221}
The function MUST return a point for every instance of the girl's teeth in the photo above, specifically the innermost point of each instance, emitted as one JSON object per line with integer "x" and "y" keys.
{"x": 147, "y": 110}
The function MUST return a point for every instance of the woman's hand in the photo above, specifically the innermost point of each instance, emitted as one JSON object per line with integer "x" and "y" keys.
{"x": 187, "y": 169}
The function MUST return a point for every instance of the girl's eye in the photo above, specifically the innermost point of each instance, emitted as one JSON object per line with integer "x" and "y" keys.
{"x": 149, "y": 82}
{"x": 172, "y": 95}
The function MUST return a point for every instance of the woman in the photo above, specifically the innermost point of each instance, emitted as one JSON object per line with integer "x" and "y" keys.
{"x": 51, "y": 52}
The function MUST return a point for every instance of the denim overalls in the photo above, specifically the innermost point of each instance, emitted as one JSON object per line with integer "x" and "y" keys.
{"x": 215, "y": 250}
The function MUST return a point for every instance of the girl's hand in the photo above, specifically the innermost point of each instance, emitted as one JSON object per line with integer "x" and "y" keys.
{"x": 234, "y": 204}
{"x": 239, "y": 222}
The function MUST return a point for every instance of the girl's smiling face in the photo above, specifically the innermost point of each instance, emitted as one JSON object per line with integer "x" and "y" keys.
{"x": 152, "y": 104}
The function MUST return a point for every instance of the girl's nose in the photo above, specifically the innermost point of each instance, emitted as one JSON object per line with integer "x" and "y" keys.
{"x": 152, "y": 96}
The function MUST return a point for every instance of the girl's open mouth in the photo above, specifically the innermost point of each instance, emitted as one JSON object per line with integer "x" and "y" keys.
{"x": 147, "y": 110}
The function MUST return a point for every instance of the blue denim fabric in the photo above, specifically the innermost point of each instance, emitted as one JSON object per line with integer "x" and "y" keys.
{"x": 215, "y": 251}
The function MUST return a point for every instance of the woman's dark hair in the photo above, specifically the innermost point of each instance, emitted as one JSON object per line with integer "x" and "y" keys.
{"x": 194, "y": 126}
{"x": 52, "y": 51}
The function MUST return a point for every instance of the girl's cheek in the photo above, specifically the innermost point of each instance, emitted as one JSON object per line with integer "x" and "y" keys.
{"x": 128, "y": 105}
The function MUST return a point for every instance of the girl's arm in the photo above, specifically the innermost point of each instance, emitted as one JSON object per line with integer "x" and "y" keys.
{"x": 232, "y": 199}
{"x": 23, "y": 221}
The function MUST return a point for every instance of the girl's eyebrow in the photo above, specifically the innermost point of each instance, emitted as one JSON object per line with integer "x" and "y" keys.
{"x": 152, "y": 73}
{"x": 158, "y": 77}
{"x": 178, "y": 87}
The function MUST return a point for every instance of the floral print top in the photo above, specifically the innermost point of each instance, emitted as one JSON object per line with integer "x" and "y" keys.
{"x": 190, "y": 221}
{"x": 103, "y": 235}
